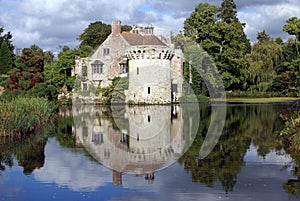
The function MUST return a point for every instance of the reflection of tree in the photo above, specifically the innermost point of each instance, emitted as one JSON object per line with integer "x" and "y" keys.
{"x": 264, "y": 124}
{"x": 63, "y": 131}
{"x": 257, "y": 123}
{"x": 290, "y": 133}
{"x": 226, "y": 159}
{"x": 28, "y": 150}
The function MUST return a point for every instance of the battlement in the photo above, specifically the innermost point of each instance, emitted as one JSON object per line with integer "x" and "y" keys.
{"x": 149, "y": 52}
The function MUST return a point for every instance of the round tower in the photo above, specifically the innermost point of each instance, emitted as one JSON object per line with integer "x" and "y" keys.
{"x": 149, "y": 74}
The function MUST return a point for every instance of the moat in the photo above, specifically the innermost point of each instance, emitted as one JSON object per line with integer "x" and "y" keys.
{"x": 152, "y": 153}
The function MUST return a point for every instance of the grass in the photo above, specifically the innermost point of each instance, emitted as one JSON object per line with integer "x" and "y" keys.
{"x": 23, "y": 114}
{"x": 261, "y": 100}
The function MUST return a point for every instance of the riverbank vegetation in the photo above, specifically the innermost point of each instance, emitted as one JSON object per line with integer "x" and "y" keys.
{"x": 23, "y": 114}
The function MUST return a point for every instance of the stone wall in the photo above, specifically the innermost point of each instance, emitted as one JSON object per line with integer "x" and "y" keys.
{"x": 149, "y": 75}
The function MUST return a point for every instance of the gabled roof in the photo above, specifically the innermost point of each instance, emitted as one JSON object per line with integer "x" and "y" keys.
{"x": 97, "y": 62}
{"x": 138, "y": 39}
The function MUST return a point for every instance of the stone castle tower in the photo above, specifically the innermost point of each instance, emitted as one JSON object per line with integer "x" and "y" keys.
{"x": 149, "y": 74}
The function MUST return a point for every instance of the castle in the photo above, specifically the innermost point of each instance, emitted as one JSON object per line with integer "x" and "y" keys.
{"x": 153, "y": 66}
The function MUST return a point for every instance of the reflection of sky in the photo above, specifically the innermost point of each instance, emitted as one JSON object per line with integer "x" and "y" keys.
{"x": 67, "y": 175}
{"x": 271, "y": 158}
{"x": 67, "y": 168}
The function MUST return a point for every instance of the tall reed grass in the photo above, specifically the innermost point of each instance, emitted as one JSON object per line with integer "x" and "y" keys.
{"x": 23, "y": 114}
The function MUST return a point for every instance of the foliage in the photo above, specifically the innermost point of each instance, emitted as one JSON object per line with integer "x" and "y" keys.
{"x": 114, "y": 93}
{"x": 45, "y": 91}
{"x": 263, "y": 62}
{"x": 219, "y": 32}
{"x": 6, "y": 58}
{"x": 22, "y": 115}
{"x": 58, "y": 74}
{"x": 293, "y": 27}
{"x": 7, "y": 38}
{"x": 28, "y": 69}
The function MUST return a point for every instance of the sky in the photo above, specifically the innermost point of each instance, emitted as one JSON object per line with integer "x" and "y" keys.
{"x": 53, "y": 23}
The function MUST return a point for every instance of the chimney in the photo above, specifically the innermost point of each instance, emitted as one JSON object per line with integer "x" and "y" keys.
{"x": 116, "y": 27}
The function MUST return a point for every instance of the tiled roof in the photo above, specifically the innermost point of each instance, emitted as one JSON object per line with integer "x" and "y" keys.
{"x": 137, "y": 39}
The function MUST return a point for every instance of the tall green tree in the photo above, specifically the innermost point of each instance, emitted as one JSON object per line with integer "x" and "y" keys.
{"x": 221, "y": 34}
{"x": 228, "y": 11}
{"x": 6, "y": 59}
{"x": 7, "y": 37}
{"x": 288, "y": 79}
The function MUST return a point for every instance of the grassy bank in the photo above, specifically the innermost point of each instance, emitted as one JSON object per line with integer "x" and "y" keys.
{"x": 23, "y": 114}
{"x": 262, "y": 100}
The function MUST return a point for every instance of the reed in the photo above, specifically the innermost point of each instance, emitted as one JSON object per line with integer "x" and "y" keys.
{"x": 23, "y": 114}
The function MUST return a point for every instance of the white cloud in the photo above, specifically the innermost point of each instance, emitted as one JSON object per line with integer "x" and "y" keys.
{"x": 268, "y": 17}
{"x": 49, "y": 23}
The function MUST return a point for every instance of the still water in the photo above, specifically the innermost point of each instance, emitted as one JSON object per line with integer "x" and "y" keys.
{"x": 153, "y": 153}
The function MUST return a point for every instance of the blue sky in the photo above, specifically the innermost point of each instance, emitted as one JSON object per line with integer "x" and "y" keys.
{"x": 50, "y": 23}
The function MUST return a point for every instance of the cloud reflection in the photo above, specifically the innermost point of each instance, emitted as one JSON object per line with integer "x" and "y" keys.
{"x": 72, "y": 169}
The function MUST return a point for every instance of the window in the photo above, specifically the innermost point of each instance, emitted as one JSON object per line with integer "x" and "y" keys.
{"x": 84, "y": 71}
{"x": 97, "y": 68}
{"x": 97, "y": 138}
{"x": 148, "y": 90}
{"x": 174, "y": 88}
{"x": 149, "y": 118}
{"x": 137, "y": 70}
{"x": 105, "y": 51}
{"x": 84, "y": 86}
{"x": 123, "y": 68}
{"x": 84, "y": 132}
{"x": 106, "y": 153}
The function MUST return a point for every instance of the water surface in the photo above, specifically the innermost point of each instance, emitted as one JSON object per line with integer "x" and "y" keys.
{"x": 151, "y": 153}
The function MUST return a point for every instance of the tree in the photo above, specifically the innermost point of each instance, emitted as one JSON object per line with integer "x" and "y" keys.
{"x": 288, "y": 79}
{"x": 6, "y": 59}
{"x": 8, "y": 39}
{"x": 264, "y": 60}
{"x": 223, "y": 38}
{"x": 228, "y": 11}
{"x": 293, "y": 27}
{"x": 58, "y": 74}
{"x": 48, "y": 57}
{"x": 28, "y": 69}
{"x": 263, "y": 36}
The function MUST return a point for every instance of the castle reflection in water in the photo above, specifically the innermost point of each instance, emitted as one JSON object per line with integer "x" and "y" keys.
{"x": 138, "y": 140}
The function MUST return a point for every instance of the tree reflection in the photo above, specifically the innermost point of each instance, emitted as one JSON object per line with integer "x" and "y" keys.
{"x": 28, "y": 150}
{"x": 244, "y": 124}
{"x": 264, "y": 126}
